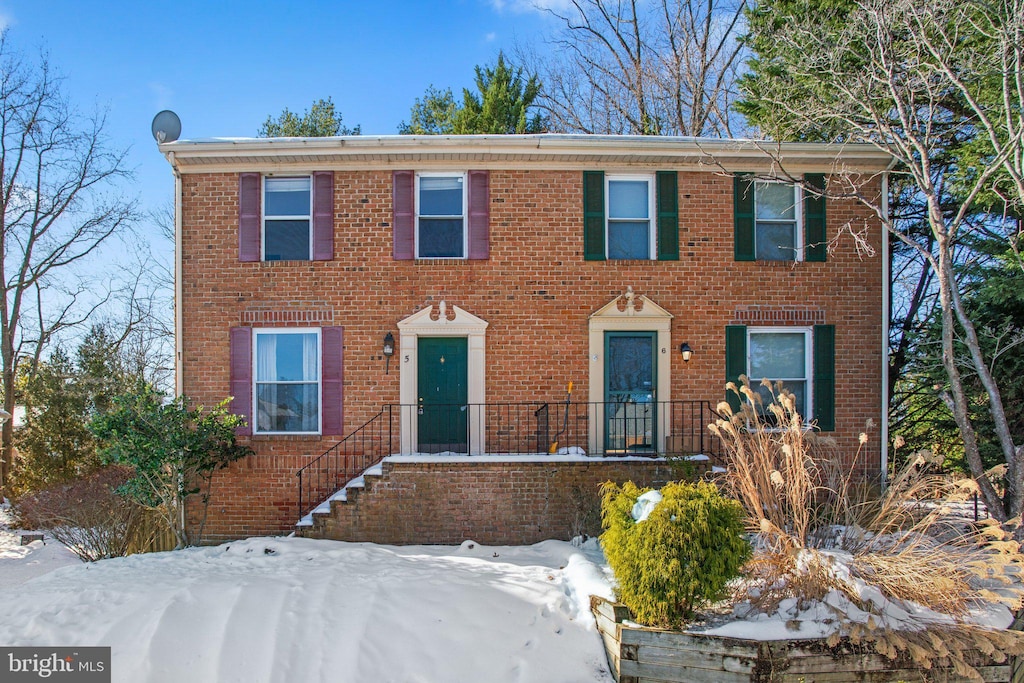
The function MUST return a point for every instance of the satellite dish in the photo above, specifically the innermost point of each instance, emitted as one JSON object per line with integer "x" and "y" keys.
{"x": 166, "y": 126}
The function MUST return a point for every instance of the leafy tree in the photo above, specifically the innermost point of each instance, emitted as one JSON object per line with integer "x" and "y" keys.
{"x": 432, "y": 115}
{"x": 923, "y": 82}
{"x": 502, "y": 105}
{"x": 174, "y": 451}
{"x": 319, "y": 121}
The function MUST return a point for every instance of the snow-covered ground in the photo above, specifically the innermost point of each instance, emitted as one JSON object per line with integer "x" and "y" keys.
{"x": 295, "y": 609}
{"x": 19, "y": 563}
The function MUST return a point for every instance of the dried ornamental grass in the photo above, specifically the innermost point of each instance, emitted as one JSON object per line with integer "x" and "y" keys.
{"x": 895, "y": 570}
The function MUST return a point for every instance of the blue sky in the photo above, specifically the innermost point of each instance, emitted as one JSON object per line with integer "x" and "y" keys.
{"x": 223, "y": 67}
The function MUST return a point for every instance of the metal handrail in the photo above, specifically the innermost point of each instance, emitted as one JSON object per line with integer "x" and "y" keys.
{"x": 345, "y": 460}
{"x": 628, "y": 428}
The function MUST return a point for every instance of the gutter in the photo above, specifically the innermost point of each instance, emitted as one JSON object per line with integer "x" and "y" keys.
{"x": 568, "y": 150}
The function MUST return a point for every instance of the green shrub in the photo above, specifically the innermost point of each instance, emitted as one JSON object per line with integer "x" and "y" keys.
{"x": 680, "y": 557}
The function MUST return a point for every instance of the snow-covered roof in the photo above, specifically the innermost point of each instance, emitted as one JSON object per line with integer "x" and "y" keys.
{"x": 552, "y": 151}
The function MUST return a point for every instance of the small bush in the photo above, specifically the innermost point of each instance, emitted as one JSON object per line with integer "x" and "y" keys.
{"x": 88, "y": 515}
{"x": 680, "y": 557}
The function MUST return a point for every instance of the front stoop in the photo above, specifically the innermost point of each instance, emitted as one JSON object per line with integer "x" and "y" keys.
{"x": 494, "y": 500}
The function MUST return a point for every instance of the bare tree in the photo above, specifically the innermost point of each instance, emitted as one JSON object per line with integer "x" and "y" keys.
{"x": 652, "y": 68}
{"x": 55, "y": 173}
{"x": 938, "y": 86}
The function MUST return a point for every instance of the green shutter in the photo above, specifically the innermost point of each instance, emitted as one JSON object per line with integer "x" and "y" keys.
{"x": 743, "y": 217}
{"x": 825, "y": 377}
{"x": 668, "y": 216}
{"x": 593, "y": 216}
{"x": 815, "y": 233}
{"x": 735, "y": 360}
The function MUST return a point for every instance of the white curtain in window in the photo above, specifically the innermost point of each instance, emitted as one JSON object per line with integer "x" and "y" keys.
{"x": 266, "y": 358}
{"x": 309, "y": 357}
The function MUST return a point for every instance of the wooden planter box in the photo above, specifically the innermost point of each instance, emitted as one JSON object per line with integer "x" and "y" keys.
{"x": 648, "y": 655}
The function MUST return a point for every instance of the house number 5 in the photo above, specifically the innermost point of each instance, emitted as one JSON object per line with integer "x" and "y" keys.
{"x": 406, "y": 358}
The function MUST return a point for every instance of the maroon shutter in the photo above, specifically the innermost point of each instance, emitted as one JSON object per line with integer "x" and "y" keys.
{"x": 479, "y": 214}
{"x": 249, "y": 217}
{"x": 323, "y": 215}
{"x": 241, "y": 376}
{"x": 403, "y": 220}
{"x": 331, "y": 381}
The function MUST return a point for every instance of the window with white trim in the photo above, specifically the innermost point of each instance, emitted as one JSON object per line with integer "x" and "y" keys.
{"x": 286, "y": 372}
{"x": 778, "y": 218}
{"x": 629, "y": 210}
{"x": 441, "y": 215}
{"x": 287, "y": 219}
{"x": 781, "y": 354}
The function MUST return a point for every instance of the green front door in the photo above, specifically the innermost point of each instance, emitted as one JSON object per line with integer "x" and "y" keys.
{"x": 442, "y": 382}
{"x": 630, "y": 391}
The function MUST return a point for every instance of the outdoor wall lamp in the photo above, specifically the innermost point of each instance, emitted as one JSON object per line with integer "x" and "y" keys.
{"x": 389, "y": 350}
{"x": 685, "y": 349}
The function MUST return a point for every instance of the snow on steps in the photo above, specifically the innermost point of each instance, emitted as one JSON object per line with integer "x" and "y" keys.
{"x": 341, "y": 495}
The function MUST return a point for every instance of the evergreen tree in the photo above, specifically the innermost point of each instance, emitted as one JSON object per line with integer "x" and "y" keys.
{"x": 61, "y": 396}
{"x": 319, "y": 121}
{"x": 503, "y": 104}
{"x": 433, "y": 115}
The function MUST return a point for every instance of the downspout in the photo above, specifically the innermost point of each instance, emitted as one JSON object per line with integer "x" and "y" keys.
{"x": 886, "y": 312}
{"x": 179, "y": 372}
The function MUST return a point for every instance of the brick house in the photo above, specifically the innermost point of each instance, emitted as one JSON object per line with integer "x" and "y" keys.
{"x": 364, "y": 297}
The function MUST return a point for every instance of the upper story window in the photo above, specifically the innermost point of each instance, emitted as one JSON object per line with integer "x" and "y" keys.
{"x": 781, "y": 354}
{"x": 630, "y": 217}
{"x": 440, "y": 216}
{"x": 287, "y": 219}
{"x": 630, "y": 202}
{"x": 287, "y": 381}
{"x": 777, "y": 221}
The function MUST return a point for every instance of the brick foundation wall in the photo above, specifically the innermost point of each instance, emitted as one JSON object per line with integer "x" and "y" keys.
{"x": 500, "y": 503}
{"x": 535, "y": 291}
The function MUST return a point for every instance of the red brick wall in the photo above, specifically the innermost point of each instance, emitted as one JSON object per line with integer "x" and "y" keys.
{"x": 536, "y": 291}
{"x": 495, "y": 503}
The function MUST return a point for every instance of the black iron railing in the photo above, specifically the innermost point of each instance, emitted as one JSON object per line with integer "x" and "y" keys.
{"x": 347, "y": 459}
{"x": 600, "y": 429}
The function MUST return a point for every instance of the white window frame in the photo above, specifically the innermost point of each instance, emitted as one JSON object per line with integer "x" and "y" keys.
{"x": 808, "y": 333}
{"x": 652, "y": 213}
{"x": 798, "y": 212}
{"x": 465, "y": 212}
{"x": 264, "y": 217}
{"x": 319, "y": 376}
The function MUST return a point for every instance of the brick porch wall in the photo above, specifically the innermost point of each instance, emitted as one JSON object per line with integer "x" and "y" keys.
{"x": 500, "y": 503}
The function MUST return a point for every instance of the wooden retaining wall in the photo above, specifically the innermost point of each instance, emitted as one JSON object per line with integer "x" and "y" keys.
{"x": 648, "y": 655}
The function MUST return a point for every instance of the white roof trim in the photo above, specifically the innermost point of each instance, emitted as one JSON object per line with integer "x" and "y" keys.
{"x": 510, "y": 151}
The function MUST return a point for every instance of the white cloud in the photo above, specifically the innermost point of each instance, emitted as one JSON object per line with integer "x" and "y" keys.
{"x": 491, "y": 37}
